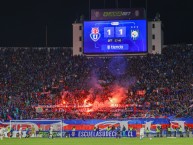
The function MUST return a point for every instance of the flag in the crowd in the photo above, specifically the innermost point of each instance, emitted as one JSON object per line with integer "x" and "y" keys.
{"x": 9, "y": 117}
{"x": 39, "y": 109}
{"x": 141, "y": 92}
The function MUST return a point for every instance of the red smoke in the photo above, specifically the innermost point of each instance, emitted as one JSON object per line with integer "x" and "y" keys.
{"x": 117, "y": 95}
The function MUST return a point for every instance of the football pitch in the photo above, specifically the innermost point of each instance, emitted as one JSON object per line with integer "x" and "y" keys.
{"x": 97, "y": 141}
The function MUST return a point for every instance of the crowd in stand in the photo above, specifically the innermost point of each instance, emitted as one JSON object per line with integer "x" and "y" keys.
{"x": 159, "y": 85}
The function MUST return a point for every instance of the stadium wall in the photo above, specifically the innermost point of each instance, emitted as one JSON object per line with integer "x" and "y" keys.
{"x": 84, "y": 128}
{"x": 89, "y": 124}
{"x": 154, "y": 35}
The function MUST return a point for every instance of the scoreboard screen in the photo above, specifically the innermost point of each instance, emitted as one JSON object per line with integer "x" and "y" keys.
{"x": 116, "y": 36}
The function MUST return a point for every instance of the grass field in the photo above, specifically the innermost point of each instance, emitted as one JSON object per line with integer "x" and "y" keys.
{"x": 97, "y": 141}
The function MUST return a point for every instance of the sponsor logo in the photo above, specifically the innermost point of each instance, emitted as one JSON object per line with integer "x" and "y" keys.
{"x": 116, "y": 13}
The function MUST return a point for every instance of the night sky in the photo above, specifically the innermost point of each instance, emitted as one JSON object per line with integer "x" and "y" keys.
{"x": 23, "y": 23}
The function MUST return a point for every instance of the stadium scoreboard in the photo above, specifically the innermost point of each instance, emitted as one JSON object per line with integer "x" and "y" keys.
{"x": 115, "y": 37}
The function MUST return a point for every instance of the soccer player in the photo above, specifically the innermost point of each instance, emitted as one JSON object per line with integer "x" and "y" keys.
{"x": 51, "y": 132}
{"x": 124, "y": 130}
{"x": 11, "y": 132}
{"x": 2, "y": 130}
{"x": 118, "y": 133}
{"x": 20, "y": 132}
{"x": 142, "y": 131}
{"x": 33, "y": 131}
{"x": 27, "y": 133}
{"x": 8, "y": 132}
{"x": 147, "y": 132}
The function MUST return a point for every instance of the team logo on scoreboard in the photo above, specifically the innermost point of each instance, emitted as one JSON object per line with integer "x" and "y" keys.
{"x": 134, "y": 34}
{"x": 95, "y": 35}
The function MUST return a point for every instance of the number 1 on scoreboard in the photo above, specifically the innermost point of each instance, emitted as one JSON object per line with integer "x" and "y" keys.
{"x": 120, "y": 31}
{"x": 108, "y": 32}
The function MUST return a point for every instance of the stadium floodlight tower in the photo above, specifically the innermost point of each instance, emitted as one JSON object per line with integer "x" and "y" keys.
{"x": 39, "y": 125}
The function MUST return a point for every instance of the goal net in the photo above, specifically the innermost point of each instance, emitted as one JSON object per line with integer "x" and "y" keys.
{"x": 36, "y": 128}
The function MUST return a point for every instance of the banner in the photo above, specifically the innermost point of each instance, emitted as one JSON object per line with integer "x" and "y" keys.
{"x": 99, "y": 133}
{"x": 89, "y": 124}
{"x": 85, "y": 133}
{"x": 118, "y": 14}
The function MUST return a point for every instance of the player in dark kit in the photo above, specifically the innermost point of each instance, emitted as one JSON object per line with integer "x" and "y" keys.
{"x": 118, "y": 132}
{"x": 27, "y": 132}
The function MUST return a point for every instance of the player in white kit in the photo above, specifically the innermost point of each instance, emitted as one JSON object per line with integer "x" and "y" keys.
{"x": 20, "y": 132}
{"x": 51, "y": 132}
{"x": 2, "y": 130}
{"x": 142, "y": 132}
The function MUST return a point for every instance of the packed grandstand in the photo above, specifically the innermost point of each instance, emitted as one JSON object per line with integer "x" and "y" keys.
{"x": 50, "y": 83}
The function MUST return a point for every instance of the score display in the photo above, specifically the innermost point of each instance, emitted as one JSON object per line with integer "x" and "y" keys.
{"x": 116, "y": 36}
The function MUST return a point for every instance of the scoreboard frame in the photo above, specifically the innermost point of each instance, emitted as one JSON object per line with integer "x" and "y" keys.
{"x": 115, "y": 53}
